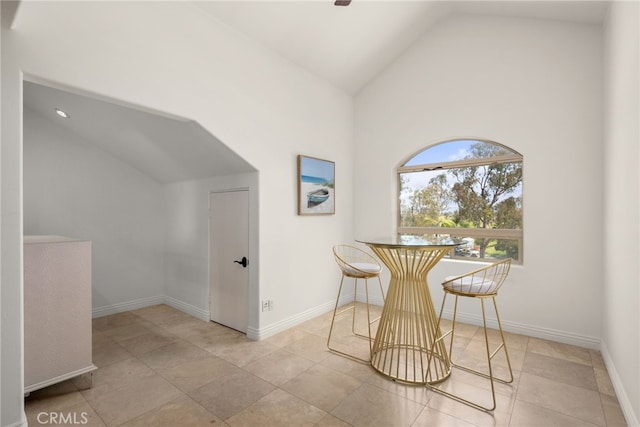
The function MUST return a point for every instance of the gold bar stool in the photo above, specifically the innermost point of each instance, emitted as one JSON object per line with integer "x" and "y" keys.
{"x": 357, "y": 264}
{"x": 482, "y": 283}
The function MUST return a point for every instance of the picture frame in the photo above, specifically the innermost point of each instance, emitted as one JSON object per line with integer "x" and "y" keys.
{"x": 316, "y": 186}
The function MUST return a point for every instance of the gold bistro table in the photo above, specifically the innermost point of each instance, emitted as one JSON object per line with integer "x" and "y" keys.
{"x": 408, "y": 323}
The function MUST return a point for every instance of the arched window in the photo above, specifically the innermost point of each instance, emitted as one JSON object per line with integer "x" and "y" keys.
{"x": 470, "y": 189}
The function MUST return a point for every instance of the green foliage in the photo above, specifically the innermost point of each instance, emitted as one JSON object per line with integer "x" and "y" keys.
{"x": 428, "y": 205}
{"x": 484, "y": 197}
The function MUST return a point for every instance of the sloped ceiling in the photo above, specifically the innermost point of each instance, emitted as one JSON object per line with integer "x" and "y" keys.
{"x": 166, "y": 149}
{"x": 347, "y": 46}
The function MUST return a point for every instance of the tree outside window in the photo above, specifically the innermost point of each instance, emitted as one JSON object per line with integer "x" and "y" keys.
{"x": 469, "y": 189}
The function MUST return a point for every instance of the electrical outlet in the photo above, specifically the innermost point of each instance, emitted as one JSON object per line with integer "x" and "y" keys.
{"x": 267, "y": 304}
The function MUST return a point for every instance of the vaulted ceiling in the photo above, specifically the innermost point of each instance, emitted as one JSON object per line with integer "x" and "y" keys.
{"x": 347, "y": 46}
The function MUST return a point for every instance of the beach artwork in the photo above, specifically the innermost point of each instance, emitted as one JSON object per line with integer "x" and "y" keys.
{"x": 316, "y": 186}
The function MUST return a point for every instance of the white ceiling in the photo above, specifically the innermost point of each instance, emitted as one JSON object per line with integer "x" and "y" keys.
{"x": 166, "y": 149}
{"x": 347, "y": 46}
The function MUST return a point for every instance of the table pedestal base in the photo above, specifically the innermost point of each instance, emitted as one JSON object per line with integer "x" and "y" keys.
{"x": 408, "y": 323}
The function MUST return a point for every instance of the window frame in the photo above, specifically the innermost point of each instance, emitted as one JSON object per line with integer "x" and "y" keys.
{"x": 500, "y": 233}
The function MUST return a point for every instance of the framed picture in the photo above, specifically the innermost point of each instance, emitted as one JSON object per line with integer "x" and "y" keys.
{"x": 316, "y": 186}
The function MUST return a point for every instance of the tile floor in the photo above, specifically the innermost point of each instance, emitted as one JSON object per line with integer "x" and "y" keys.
{"x": 161, "y": 367}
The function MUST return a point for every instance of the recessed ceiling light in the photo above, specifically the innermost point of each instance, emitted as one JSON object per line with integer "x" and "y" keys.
{"x": 62, "y": 113}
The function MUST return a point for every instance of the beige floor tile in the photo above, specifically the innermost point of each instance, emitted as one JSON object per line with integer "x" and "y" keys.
{"x": 499, "y": 417}
{"x": 460, "y": 377}
{"x": 118, "y": 375}
{"x": 529, "y": 415}
{"x": 116, "y": 406}
{"x": 330, "y": 421}
{"x": 612, "y": 412}
{"x": 182, "y": 412}
{"x": 312, "y": 347}
{"x": 431, "y": 418}
{"x": 596, "y": 359}
{"x": 460, "y": 344}
{"x": 343, "y": 327}
{"x": 416, "y": 393}
{"x": 216, "y": 338}
{"x": 604, "y": 382}
{"x": 355, "y": 369}
{"x": 108, "y": 354}
{"x": 79, "y": 414}
{"x": 560, "y": 351}
{"x": 153, "y": 309}
{"x": 287, "y": 337}
{"x": 369, "y": 405}
{"x": 123, "y": 333}
{"x": 242, "y": 352}
{"x": 475, "y": 356}
{"x": 279, "y": 366}
{"x": 169, "y": 357}
{"x": 318, "y": 325}
{"x": 278, "y": 409}
{"x": 195, "y": 373}
{"x": 100, "y": 338}
{"x": 573, "y": 401}
{"x": 57, "y": 397}
{"x": 194, "y": 327}
{"x": 355, "y": 346}
{"x": 462, "y": 329}
{"x": 207, "y": 342}
{"x": 322, "y": 387}
{"x": 144, "y": 343}
{"x": 232, "y": 391}
{"x": 114, "y": 321}
{"x": 514, "y": 341}
{"x": 560, "y": 370}
{"x": 164, "y": 317}
{"x": 172, "y": 355}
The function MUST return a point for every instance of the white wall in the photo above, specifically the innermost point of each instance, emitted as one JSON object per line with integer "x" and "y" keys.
{"x": 621, "y": 326}
{"x": 73, "y": 189}
{"x": 171, "y": 57}
{"x": 186, "y": 268}
{"x": 536, "y": 87}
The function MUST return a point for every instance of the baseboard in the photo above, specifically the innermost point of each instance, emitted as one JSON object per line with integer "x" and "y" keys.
{"x": 283, "y": 325}
{"x": 146, "y": 302}
{"x": 625, "y": 404}
{"x": 513, "y": 327}
{"x": 126, "y": 306}
{"x": 530, "y": 331}
{"x": 188, "y": 308}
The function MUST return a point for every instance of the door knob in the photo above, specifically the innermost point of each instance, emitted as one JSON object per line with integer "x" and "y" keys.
{"x": 243, "y": 262}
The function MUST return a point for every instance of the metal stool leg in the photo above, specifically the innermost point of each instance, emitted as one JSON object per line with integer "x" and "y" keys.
{"x": 490, "y": 355}
{"x": 352, "y": 306}
{"x": 333, "y": 318}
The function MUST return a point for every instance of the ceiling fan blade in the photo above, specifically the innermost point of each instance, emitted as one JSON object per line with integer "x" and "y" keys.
{"x": 342, "y": 2}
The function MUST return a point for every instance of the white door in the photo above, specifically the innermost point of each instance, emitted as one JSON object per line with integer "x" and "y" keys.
{"x": 228, "y": 258}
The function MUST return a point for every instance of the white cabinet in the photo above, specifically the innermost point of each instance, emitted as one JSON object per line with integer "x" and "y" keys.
{"x": 57, "y": 310}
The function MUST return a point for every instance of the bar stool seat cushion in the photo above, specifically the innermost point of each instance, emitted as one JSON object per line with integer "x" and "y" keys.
{"x": 361, "y": 268}
{"x": 470, "y": 285}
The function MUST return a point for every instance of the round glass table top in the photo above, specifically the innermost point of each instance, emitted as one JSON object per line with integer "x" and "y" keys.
{"x": 412, "y": 241}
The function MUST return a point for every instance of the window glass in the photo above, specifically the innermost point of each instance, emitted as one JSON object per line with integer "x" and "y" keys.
{"x": 469, "y": 189}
